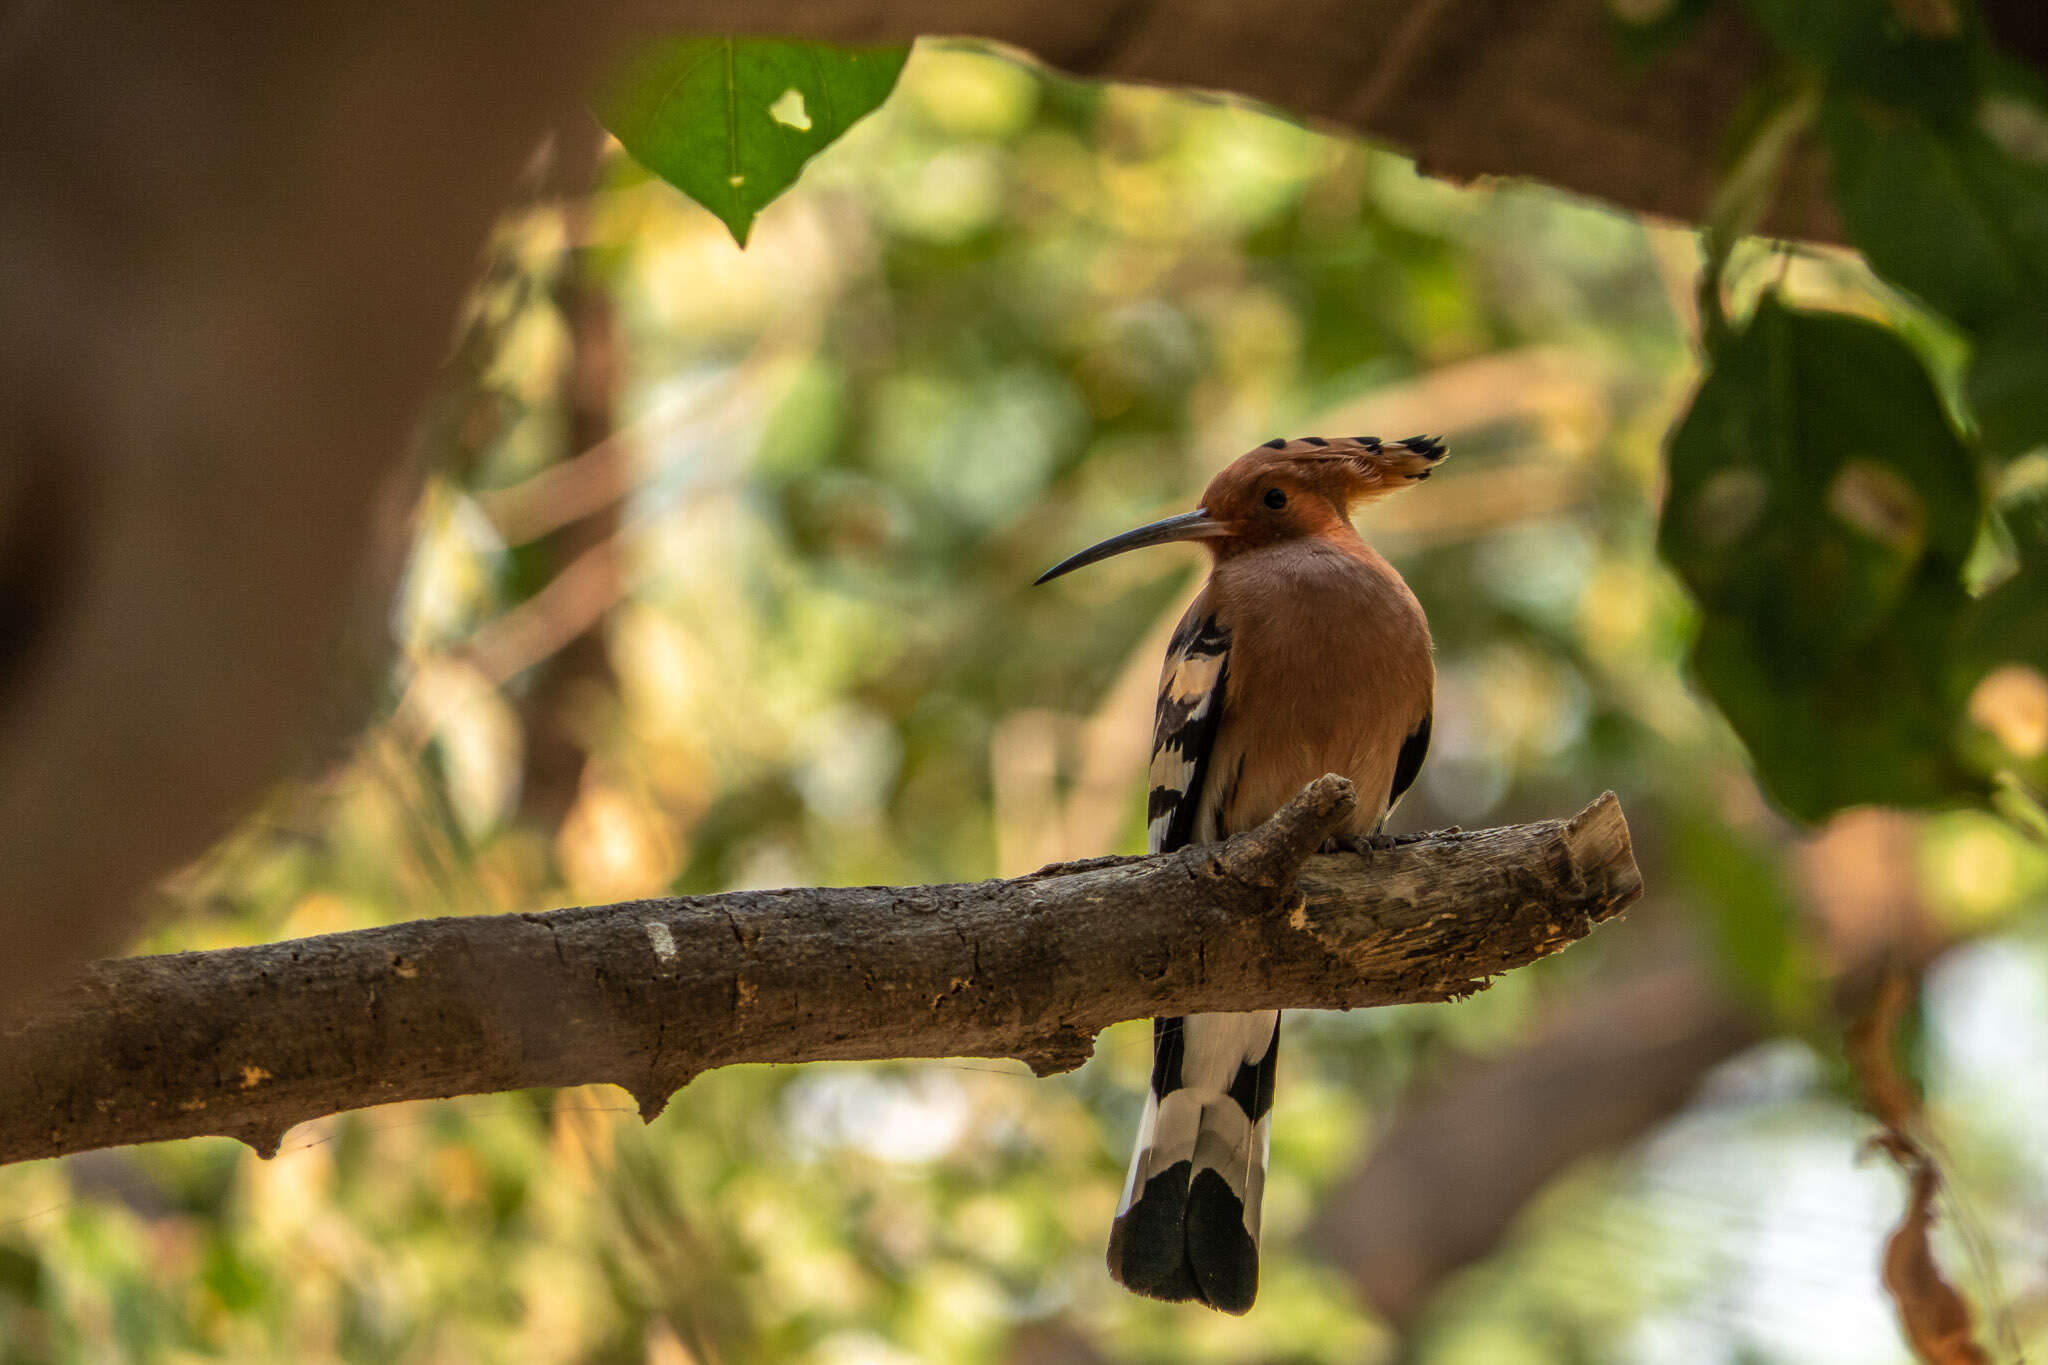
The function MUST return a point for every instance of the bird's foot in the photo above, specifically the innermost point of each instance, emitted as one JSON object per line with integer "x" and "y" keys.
{"x": 1065, "y": 869}
{"x": 1365, "y": 845}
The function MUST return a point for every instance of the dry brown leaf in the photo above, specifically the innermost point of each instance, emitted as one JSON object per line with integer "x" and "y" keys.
{"x": 1933, "y": 1316}
{"x": 1890, "y": 1095}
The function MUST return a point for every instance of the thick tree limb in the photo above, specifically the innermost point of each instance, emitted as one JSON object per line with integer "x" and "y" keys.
{"x": 1467, "y": 87}
{"x": 249, "y": 1041}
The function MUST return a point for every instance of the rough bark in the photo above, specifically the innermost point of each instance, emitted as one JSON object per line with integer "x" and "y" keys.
{"x": 248, "y": 1041}
{"x": 1469, "y": 88}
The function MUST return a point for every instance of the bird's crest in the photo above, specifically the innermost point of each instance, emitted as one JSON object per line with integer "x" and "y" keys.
{"x": 1367, "y": 459}
{"x": 1283, "y": 490}
{"x": 1259, "y": 495}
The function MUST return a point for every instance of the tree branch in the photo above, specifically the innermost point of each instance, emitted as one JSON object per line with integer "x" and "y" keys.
{"x": 246, "y": 1042}
{"x": 1469, "y": 88}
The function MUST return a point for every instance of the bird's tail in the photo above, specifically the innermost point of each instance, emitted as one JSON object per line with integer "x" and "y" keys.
{"x": 1188, "y": 1224}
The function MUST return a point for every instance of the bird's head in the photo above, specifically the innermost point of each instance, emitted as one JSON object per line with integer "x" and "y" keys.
{"x": 1283, "y": 490}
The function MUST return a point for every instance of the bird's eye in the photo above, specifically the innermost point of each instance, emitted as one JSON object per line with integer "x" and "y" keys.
{"x": 1275, "y": 499}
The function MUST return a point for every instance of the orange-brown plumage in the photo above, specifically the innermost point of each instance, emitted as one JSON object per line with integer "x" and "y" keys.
{"x": 1305, "y": 653}
{"x": 1331, "y": 668}
{"x": 1331, "y": 672}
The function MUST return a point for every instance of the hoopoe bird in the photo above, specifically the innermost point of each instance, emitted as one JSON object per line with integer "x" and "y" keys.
{"x": 1305, "y": 653}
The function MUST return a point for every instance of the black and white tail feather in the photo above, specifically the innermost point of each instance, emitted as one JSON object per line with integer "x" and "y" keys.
{"x": 1187, "y": 1227}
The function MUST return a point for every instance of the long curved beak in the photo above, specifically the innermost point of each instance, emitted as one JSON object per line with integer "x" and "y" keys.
{"x": 1195, "y": 525}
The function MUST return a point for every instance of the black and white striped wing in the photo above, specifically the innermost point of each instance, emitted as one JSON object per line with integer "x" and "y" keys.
{"x": 1190, "y": 708}
{"x": 1187, "y": 1226}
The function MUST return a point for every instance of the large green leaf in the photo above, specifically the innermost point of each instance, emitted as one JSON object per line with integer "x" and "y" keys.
{"x": 1876, "y": 725}
{"x": 731, "y": 121}
{"x": 1943, "y": 212}
{"x": 1941, "y": 208}
{"x": 1740, "y": 886}
{"x": 2009, "y": 626}
{"x": 1860, "y": 45}
{"x": 1814, "y": 473}
{"x": 2010, "y": 623}
{"x": 2008, "y": 381}
{"x": 1820, "y": 510}
{"x": 1936, "y": 140}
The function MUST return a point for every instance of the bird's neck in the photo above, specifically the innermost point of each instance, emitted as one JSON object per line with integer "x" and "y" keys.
{"x": 1333, "y": 546}
{"x": 1339, "y": 571}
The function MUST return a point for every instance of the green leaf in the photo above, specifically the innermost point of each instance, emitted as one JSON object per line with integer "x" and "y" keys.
{"x": 2000, "y": 662}
{"x": 1939, "y": 151}
{"x": 1820, "y": 510}
{"x": 1861, "y": 46}
{"x": 1876, "y": 726}
{"x": 2009, "y": 624}
{"x": 1814, "y": 472}
{"x": 1646, "y": 34}
{"x": 2008, "y": 382}
{"x": 731, "y": 121}
{"x": 1944, "y": 213}
{"x": 1750, "y": 910}
{"x": 1817, "y": 31}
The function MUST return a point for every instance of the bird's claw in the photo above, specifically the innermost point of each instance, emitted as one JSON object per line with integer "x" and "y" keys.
{"x": 1365, "y": 845}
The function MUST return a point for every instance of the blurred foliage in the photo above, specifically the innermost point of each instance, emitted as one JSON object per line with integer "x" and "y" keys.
{"x": 1830, "y": 482}
{"x": 1007, "y": 315}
